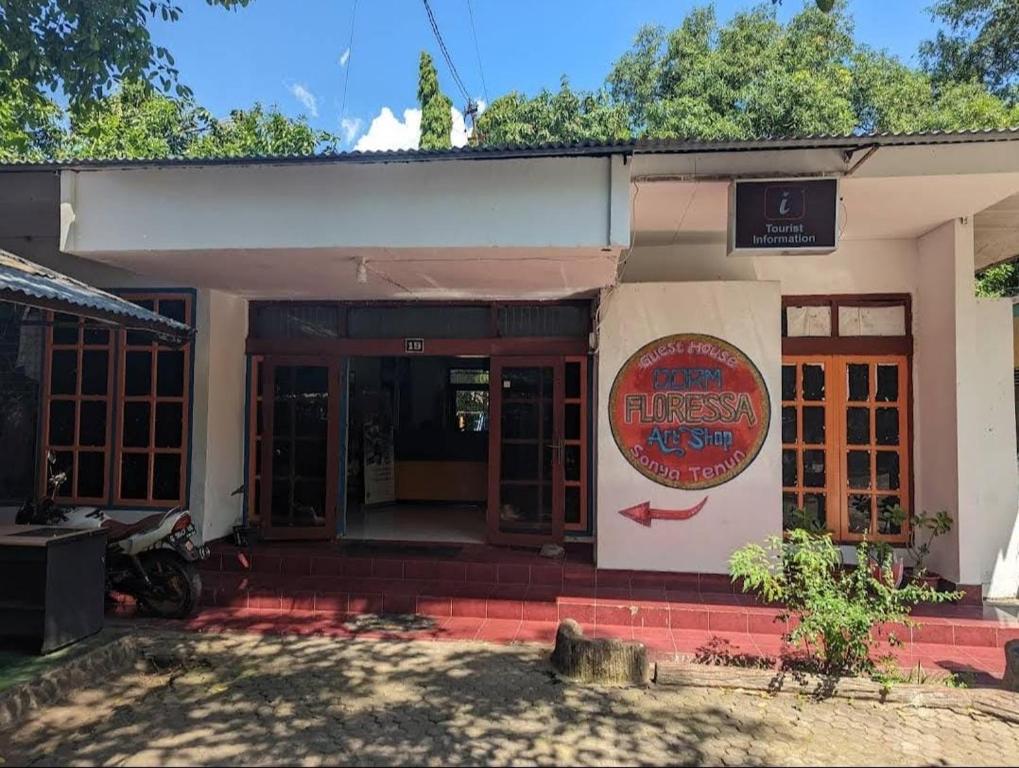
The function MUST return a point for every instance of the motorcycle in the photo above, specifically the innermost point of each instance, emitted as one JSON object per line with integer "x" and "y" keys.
{"x": 154, "y": 559}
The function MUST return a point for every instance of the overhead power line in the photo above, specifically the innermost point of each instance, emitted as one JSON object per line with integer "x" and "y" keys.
{"x": 350, "y": 54}
{"x": 477, "y": 51}
{"x": 446, "y": 55}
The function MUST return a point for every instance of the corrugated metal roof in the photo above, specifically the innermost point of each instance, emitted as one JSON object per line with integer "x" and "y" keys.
{"x": 826, "y": 141}
{"x": 24, "y": 282}
{"x": 490, "y": 152}
{"x": 556, "y": 149}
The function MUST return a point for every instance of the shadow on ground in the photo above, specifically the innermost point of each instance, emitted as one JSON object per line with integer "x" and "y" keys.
{"x": 292, "y": 700}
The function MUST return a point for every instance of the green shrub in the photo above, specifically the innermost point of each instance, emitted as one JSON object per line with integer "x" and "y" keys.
{"x": 836, "y": 610}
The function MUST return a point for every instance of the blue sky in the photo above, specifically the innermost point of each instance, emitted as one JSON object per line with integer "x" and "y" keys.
{"x": 291, "y": 52}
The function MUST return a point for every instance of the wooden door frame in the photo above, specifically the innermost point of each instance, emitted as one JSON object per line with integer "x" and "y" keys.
{"x": 904, "y": 404}
{"x": 836, "y": 486}
{"x": 496, "y": 366}
{"x": 335, "y": 367}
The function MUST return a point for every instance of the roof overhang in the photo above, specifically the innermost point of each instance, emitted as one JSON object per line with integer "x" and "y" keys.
{"x": 532, "y": 227}
{"x": 893, "y": 187}
{"x": 24, "y": 282}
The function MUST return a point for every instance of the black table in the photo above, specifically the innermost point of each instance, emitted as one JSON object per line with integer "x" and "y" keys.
{"x": 52, "y": 583}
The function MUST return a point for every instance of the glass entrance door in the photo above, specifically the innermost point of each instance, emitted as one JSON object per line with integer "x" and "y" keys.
{"x": 300, "y": 447}
{"x": 525, "y": 496}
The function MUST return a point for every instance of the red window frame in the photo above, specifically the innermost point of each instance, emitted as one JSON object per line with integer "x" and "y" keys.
{"x": 80, "y": 348}
{"x": 837, "y": 352}
{"x": 153, "y": 399}
{"x": 117, "y": 345}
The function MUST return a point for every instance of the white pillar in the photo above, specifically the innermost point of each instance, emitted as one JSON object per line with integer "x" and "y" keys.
{"x": 964, "y": 436}
{"x": 218, "y": 415}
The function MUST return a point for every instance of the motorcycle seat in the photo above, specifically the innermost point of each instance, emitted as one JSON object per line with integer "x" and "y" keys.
{"x": 118, "y": 530}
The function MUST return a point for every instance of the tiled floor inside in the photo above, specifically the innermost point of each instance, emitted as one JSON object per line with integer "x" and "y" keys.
{"x": 460, "y": 523}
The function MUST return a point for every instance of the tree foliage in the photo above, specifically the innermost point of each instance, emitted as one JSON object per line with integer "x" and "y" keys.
{"x": 137, "y": 122}
{"x": 755, "y": 77}
{"x": 980, "y": 44}
{"x": 259, "y": 132}
{"x": 565, "y": 115}
{"x": 30, "y": 126}
{"x": 751, "y": 77}
{"x": 436, "y": 114}
{"x": 999, "y": 280}
{"x": 86, "y": 49}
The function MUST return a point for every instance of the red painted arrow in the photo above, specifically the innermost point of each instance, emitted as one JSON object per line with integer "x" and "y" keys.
{"x": 644, "y": 514}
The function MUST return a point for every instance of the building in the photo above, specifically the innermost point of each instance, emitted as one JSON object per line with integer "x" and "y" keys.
{"x": 522, "y": 345}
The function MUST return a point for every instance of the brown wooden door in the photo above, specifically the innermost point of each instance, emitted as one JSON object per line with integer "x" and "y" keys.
{"x": 525, "y": 473}
{"x": 846, "y": 443}
{"x": 300, "y": 447}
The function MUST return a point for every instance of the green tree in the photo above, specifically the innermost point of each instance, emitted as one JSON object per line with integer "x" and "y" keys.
{"x": 999, "y": 280}
{"x": 436, "y": 114}
{"x": 889, "y": 96}
{"x": 755, "y": 77}
{"x": 30, "y": 127}
{"x": 980, "y": 43}
{"x": 84, "y": 49}
{"x": 260, "y": 132}
{"x": 565, "y": 115}
{"x": 752, "y": 77}
{"x": 136, "y": 122}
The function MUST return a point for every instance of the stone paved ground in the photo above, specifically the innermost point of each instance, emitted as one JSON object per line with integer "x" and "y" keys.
{"x": 242, "y": 699}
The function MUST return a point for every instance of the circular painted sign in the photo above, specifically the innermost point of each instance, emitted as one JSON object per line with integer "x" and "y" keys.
{"x": 689, "y": 411}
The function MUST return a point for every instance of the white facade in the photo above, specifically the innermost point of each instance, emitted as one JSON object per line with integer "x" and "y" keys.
{"x": 747, "y": 508}
{"x": 648, "y": 233}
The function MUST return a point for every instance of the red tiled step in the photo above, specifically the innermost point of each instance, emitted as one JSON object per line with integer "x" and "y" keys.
{"x": 495, "y": 567}
{"x": 601, "y": 608}
{"x": 662, "y": 643}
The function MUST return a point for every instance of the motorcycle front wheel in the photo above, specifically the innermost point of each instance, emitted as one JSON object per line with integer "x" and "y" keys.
{"x": 176, "y": 585}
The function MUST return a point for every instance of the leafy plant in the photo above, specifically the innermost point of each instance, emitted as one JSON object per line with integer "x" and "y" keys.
{"x": 804, "y": 520}
{"x": 719, "y": 652}
{"x": 837, "y": 611}
{"x": 887, "y": 671}
{"x": 933, "y": 526}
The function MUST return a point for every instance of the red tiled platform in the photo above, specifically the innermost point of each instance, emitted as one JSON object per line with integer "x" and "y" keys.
{"x": 506, "y": 595}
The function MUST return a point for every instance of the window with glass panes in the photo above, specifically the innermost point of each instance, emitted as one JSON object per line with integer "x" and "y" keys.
{"x": 845, "y": 416}
{"x": 78, "y": 398}
{"x": 153, "y": 413}
{"x": 575, "y": 444}
{"x": 96, "y": 377}
{"x": 254, "y": 483}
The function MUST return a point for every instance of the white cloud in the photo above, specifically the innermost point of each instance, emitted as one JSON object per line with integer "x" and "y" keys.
{"x": 350, "y": 126}
{"x": 344, "y": 57}
{"x": 306, "y": 97}
{"x": 387, "y": 131}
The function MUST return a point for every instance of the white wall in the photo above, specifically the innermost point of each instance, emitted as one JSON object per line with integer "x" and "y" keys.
{"x": 567, "y": 202}
{"x": 748, "y": 507}
{"x": 935, "y": 412}
{"x": 988, "y": 500}
{"x": 858, "y": 266}
{"x": 965, "y": 416}
{"x": 217, "y": 447}
{"x": 964, "y": 428}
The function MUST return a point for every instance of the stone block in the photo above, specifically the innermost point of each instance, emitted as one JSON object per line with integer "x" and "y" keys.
{"x": 601, "y": 660}
{"x": 1010, "y": 680}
